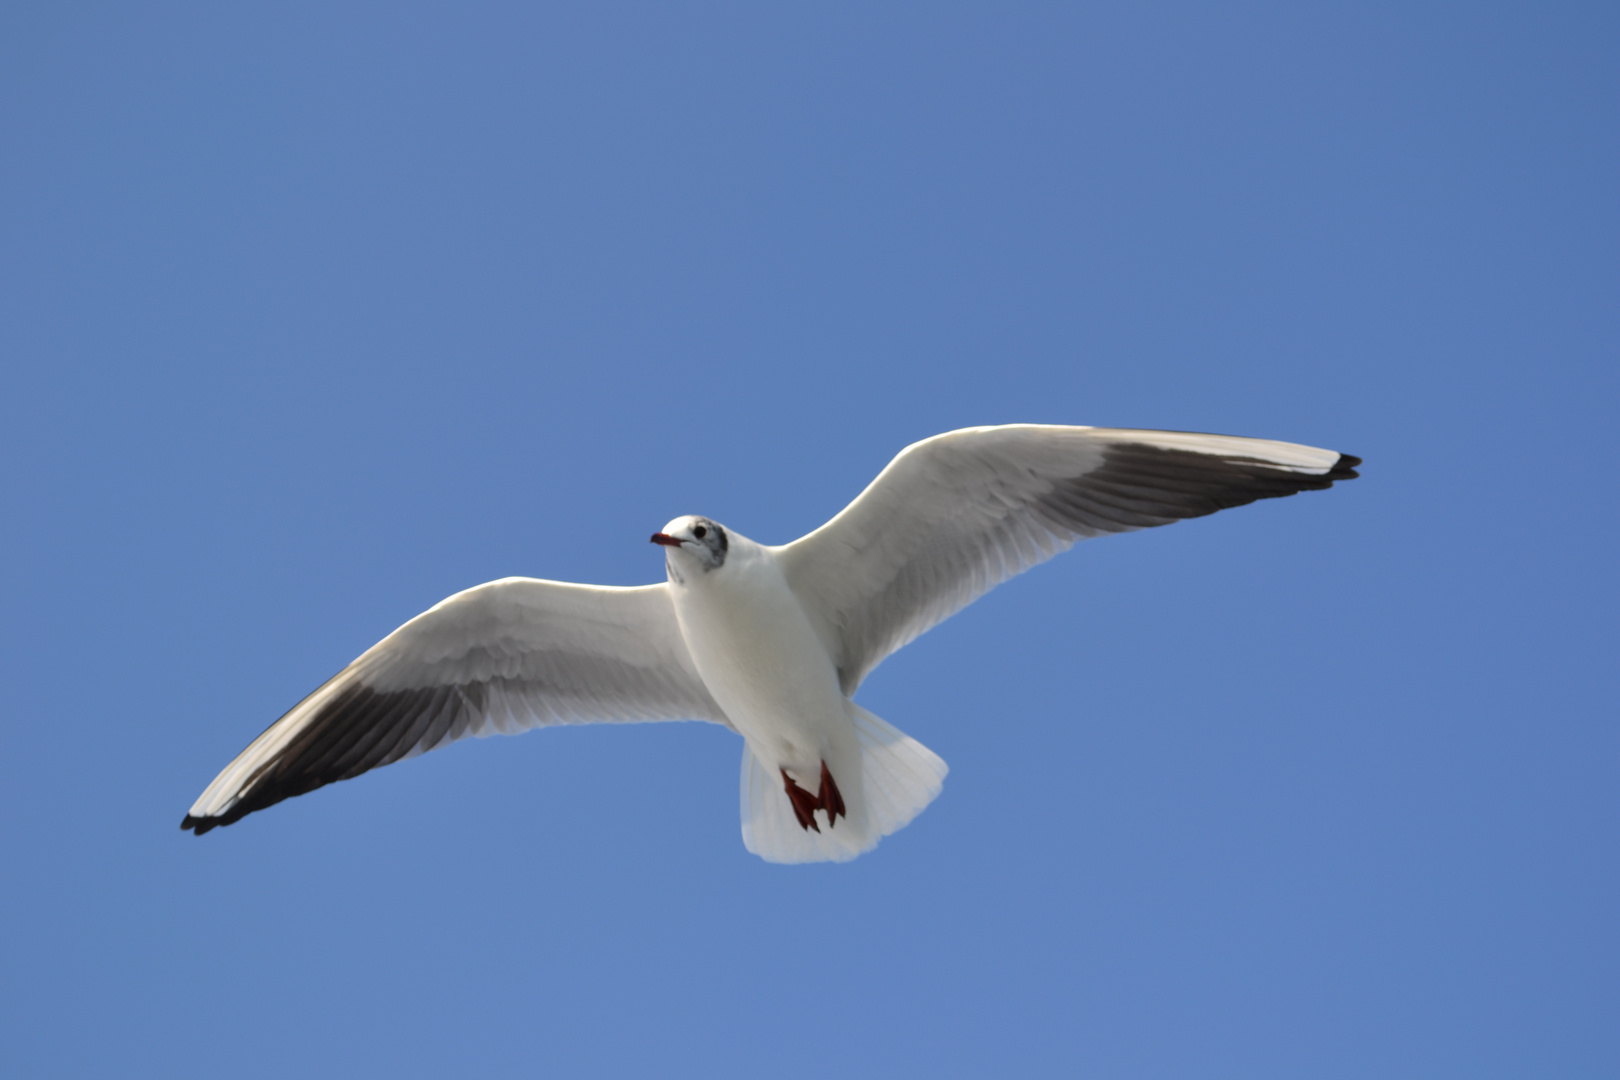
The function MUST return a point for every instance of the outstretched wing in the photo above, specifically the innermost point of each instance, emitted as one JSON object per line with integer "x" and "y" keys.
{"x": 496, "y": 659}
{"x": 955, "y": 515}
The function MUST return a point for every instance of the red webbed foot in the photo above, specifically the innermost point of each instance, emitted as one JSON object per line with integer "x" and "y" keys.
{"x": 805, "y": 804}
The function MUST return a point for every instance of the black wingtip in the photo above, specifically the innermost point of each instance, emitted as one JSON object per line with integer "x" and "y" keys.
{"x": 199, "y": 824}
{"x": 1344, "y": 468}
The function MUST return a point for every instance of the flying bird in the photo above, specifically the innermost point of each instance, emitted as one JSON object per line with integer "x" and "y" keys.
{"x": 771, "y": 642}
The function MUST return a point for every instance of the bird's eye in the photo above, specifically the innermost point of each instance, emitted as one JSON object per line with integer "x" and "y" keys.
{"x": 700, "y": 532}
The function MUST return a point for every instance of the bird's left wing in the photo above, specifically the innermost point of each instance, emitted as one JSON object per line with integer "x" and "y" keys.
{"x": 957, "y": 514}
{"x": 496, "y": 659}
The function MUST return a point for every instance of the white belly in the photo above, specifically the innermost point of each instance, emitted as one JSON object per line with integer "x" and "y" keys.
{"x": 761, "y": 659}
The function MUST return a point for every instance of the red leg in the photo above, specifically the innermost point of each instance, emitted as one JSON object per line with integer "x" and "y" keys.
{"x": 831, "y": 800}
{"x": 805, "y": 804}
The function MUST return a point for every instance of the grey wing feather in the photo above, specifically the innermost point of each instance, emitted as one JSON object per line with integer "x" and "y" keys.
{"x": 955, "y": 515}
{"x": 500, "y": 658}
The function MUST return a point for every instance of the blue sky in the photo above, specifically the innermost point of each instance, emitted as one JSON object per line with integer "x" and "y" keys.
{"x": 312, "y": 316}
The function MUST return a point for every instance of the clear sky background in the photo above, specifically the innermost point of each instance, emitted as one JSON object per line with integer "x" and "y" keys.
{"x": 313, "y": 314}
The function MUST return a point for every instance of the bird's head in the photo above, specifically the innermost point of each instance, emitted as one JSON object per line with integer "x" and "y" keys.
{"x": 693, "y": 542}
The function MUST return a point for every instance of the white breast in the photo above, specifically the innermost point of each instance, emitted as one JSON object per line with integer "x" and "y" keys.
{"x": 761, "y": 659}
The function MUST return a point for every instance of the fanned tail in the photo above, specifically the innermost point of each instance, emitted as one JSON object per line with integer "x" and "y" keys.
{"x": 895, "y": 778}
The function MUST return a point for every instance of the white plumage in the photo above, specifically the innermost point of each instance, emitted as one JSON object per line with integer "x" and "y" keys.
{"x": 770, "y": 641}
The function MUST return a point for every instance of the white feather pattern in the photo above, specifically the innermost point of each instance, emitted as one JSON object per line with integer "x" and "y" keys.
{"x": 955, "y": 515}
{"x": 500, "y": 658}
{"x": 899, "y": 777}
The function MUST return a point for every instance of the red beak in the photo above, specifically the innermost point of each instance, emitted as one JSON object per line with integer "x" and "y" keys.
{"x": 665, "y": 539}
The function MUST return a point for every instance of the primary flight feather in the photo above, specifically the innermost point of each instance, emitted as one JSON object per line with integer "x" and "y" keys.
{"x": 772, "y": 642}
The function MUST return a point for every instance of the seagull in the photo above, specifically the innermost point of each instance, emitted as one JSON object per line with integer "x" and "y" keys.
{"x": 771, "y": 642}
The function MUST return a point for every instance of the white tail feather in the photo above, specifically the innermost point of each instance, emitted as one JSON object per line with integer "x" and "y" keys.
{"x": 897, "y": 777}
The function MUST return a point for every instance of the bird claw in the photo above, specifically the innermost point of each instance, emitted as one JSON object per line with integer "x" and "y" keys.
{"x": 805, "y": 805}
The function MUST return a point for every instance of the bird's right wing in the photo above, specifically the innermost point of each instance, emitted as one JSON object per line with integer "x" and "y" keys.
{"x": 955, "y": 515}
{"x": 497, "y": 659}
